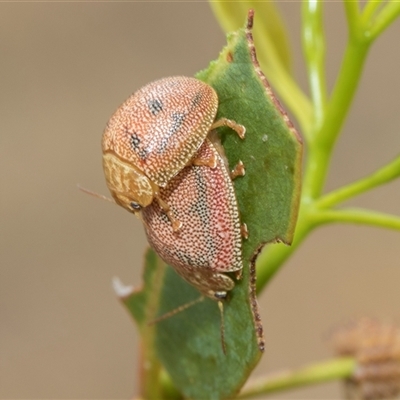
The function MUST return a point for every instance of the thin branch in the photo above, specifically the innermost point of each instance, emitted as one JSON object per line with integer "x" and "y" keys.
{"x": 388, "y": 14}
{"x": 352, "y": 9}
{"x": 369, "y": 11}
{"x": 339, "y": 368}
{"x": 314, "y": 49}
{"x": 358, "y": 216}
{"x": 381, "y": 176}
{"x": 324, "y": 139}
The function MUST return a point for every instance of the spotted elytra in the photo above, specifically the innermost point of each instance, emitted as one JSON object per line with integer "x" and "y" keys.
{"x": 153, "y": 135}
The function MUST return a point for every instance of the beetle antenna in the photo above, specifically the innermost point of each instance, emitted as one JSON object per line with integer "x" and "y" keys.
{"x": 176, "y": 311}
{"x": 94, "y": 194}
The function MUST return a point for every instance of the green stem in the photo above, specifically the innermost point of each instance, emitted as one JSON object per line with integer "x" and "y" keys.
{"x": 383, "y": 175}
{"x": 369, "y": 11}
{"x": 358, "y": 216}
{"x": 314, "y": 50}
{"x": 340, "y": 368}
{"x": 325, "y": 137}
{"x": 353, "y": 14}
{"x": 388, "y": 14}
{"x": 320, "y": 151}
{"x": 321, "y": 147}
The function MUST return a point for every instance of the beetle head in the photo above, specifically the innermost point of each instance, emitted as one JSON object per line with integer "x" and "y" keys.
{"x": 129, "y": 187}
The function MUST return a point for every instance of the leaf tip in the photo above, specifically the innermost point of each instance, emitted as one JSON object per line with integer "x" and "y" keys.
{"x": 250, "y": 18}
{"x": 263, "y": 79}
{"x": 121, "y": 290}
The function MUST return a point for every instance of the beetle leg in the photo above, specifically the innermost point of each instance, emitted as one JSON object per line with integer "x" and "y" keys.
{"x": 239, "y": 129}
{"x": 239, "y": 170}
{"x": 239, "y": 274}
{"x": 175, "y": 311}
{"x": 222, "y": 327}
{"x": 176, "y": 224}
{"x": 208, "y": 162}
{"x": 244, "y": 231}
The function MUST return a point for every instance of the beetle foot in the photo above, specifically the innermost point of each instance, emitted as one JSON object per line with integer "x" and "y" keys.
{"x": 176, "y": 224}
{"x": 208, "y": 162}
{"x": 244, "y": 231}
{"x": 239, "y": 274}
{"x": 239, "y": 170}
{"x": 239, "y": 129}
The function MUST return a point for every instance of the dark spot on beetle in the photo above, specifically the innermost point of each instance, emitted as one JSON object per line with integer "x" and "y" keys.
{"x": 177, "y": 120}
{"x": 135, "y": 140}
{"x": 197, "y": 99}
{"x": 135, "y": 144}
{"x": 229, "y": 57}
{"x": 155, "y": 106}
{"x": 185, "y": 259}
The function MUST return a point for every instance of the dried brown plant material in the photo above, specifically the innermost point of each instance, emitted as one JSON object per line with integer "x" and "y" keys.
{"x": 376, "y": 347}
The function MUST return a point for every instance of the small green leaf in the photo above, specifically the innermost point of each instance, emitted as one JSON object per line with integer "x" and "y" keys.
{"x": 188, "y": 344}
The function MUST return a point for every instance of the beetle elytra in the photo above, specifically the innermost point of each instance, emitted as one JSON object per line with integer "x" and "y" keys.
{"x": 209, "y": 243}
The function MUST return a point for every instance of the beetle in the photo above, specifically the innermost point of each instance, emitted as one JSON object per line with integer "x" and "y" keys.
{"x": 153, "y": 135}
{"x": 209, "y": 243}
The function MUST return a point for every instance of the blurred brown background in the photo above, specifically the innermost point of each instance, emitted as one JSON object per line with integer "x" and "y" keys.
{"x": 65, "y": 67}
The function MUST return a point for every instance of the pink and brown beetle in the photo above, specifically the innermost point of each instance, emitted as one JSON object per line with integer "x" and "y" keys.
{"x": 153, "y": 135}
{"x": 209, "y": 243}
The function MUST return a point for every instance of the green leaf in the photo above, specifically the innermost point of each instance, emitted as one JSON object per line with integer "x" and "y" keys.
{"x": 188, "y": 344}
{"x": 269, "y": 193}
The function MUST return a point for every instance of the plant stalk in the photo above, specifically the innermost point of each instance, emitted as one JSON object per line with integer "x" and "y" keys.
{"x": 325, "y": 371}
